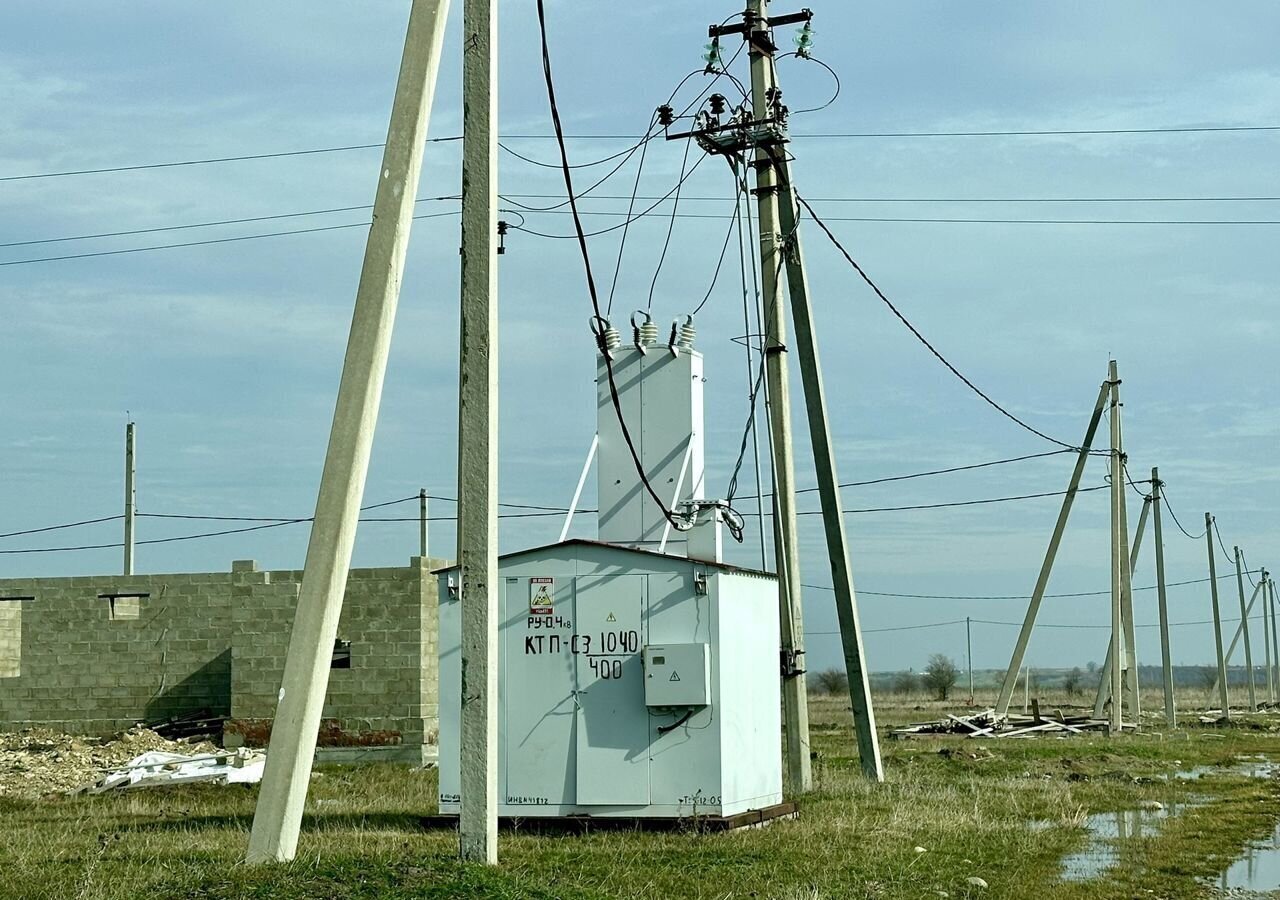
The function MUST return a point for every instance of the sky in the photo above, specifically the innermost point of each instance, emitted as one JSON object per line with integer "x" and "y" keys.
{"x": 227, "y": 355}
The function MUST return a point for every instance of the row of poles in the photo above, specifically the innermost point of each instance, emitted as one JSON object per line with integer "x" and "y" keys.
{"x": 1118, "y": 686}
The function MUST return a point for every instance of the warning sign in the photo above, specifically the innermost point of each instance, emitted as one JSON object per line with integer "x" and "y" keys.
{"x": 612, "y": 618}
{"x": 675, "y": 676}
{"x": 542, "y": 596}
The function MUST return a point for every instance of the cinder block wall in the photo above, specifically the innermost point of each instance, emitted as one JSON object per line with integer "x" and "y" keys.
{"x": 216, "y": 641}
{"x": 387, "y": 696}
{"x": 81, "y": 669}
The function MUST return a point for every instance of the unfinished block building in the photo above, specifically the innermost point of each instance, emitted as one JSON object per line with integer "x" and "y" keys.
{"x": 97, "y": 654}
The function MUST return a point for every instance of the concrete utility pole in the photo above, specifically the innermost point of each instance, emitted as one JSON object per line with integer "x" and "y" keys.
{"x": 1244, "y": 627}
{"x": 1010, "y": 682}
{"x": 780, "y": 246}
{"x": 478, "y": 436}
{"x": 1104, "y": 681}
{"x": 278, "y": 816}
{"x": 1134, "y": 700}
{"x": 1166, "y": 663}
{"x": 795, "y": 707}
{"x": 1217, "y": 619}
{"x": 1235, "y": 638}
{"x": 1271, "y": 586}
{"x": 968, "y": 644}
{"x": 1118, "y": 557}
{"x": 1266, "y": 636}
{"x": 130, "y": 494}
{"x": 422, "y": 523}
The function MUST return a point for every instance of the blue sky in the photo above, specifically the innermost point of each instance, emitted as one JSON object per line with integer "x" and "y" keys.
{"x": 228, "y": 355}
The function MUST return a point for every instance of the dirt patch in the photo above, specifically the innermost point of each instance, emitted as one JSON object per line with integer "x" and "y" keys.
{"x": 39, "y": 762}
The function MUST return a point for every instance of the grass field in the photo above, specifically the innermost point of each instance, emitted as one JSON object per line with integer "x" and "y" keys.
{"x": 970, "y": 804}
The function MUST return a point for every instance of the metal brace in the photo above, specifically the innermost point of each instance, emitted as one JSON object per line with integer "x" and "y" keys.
{"x": 452, "y": 588}
{"x": 790, "y": 663}
{"x": 700, "y": 581}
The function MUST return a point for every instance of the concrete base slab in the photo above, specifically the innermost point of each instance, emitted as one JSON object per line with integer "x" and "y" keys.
{"x": 752, "y": 818}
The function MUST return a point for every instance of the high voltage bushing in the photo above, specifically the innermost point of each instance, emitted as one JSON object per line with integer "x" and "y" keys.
{"x": 718, "y": 103}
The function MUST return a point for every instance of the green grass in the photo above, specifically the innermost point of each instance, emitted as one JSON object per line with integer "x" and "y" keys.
{"x": 969, "y": 803}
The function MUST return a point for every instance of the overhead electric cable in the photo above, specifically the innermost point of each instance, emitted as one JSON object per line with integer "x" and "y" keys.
{"x": 1177, "y": 129}
{"x": 671, "y": 226}
{"x": 61, "y": 527}
{"x": 921, "y": 338}
{"x": 1019, "y": 597}
{"x": 586, "y": 262}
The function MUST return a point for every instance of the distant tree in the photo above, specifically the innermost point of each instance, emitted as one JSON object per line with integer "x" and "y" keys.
{"x": 905, "y": 683}
{"x": 1071, "y": 681}
{"x": 1092, "y": 667}
{"x": 831, "y": 681}
{"x": 940, "y": 675}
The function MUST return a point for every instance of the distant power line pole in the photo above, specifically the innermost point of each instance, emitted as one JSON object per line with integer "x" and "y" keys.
{"x": 1217, "y": 619}
{"x": 130, "y": 493}
{"x": 968, "y": 642}
{"x": 1166, "y": 662}
{"x": 422, "y": 523}
{"x": 1244, "y": 627}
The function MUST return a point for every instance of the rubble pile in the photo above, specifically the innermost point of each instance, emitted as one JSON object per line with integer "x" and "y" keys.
{"x": 38, "y": 762}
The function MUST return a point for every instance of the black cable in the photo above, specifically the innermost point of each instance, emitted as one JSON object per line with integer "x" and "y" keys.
{"x": 628, "y": 219}
{"x": 966, "y": 468}
{"x": 1021, "y": 597}
{"x": 626, "y": 229}
{"x": 671, "y": 226}
{"x": 748, "y": 429}
{"x": 734, "y": 223}
{"x": 61, "y": 527}
{"x": 920, "y": 337}
{"x": 1083, "y": 490}
{"x": 1222, "y": 545}
{"x": 665, "y": 729}
{"x": 1244, "y": 563}
{"x": 225, "y": 240}
{"x": 835, "y": 96}
{"x": 586, "y": 262}
{"x": 512, "y": 198}
{"x": 934, "y": 220}
{"x": 587, "y": 165}
{"x": 530, "y": 137}
{"x": 1165, "y": 498}
{"x": 643, "y": 145}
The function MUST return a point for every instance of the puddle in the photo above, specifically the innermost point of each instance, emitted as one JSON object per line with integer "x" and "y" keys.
{"x": 1107, "y": 832}
{"x": 1258, "y": 869}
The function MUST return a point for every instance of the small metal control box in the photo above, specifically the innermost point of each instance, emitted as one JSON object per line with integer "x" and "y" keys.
{"x": 677, "y": 675}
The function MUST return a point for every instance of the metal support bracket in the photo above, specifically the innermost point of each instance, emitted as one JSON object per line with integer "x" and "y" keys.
{"x": 790, "y": 663}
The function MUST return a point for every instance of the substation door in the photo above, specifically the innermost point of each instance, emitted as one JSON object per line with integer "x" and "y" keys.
{"x": 612, "y": 734}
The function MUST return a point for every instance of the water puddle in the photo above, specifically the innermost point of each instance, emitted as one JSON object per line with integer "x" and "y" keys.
{"x": 1258, "y": 869}
{"x": 1107, "y": 834}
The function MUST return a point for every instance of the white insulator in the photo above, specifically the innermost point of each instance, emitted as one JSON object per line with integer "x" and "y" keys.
{"x": 612, "y": 339}
{"x": 687, "y": 334}
{"x": 645, "y": 333}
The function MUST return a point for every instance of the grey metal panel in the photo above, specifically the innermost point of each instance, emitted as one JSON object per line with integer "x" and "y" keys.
{"x": 539, "y": 709}
{"x": 620, "y": 516}
{"x": 612, "y": 736}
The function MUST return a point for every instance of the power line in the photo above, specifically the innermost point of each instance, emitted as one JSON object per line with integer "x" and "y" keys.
{"x": 1164, "y": 496}
{"x": 1177, "y": 129}
{"x": 61, "y": 527}
{"x": 920, "y": 337}
{"x": 1021, "y": 597}
{"x": 955, "y": 504}
{"x": 880, "y": 199}
{"x": 1070, "y": 625}
{"x": 225, "y": 240}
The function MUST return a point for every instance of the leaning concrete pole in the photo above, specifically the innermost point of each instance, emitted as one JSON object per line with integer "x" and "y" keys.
{"x": 130, "y": 494}
{"x": 1235, "y": 638}
{"x": 306, "y": 673}
{"x": 1118, "y": 560}
{"x": 478, "y": 436}
{"x": 1244, "y": 627}
{"x": 1217, "y": 619}
{"x": 1166, "y": 662}
{"x": 795, "y": 708}
{"x": 824, "y": 463}
{"x": 1010, "y": 682}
